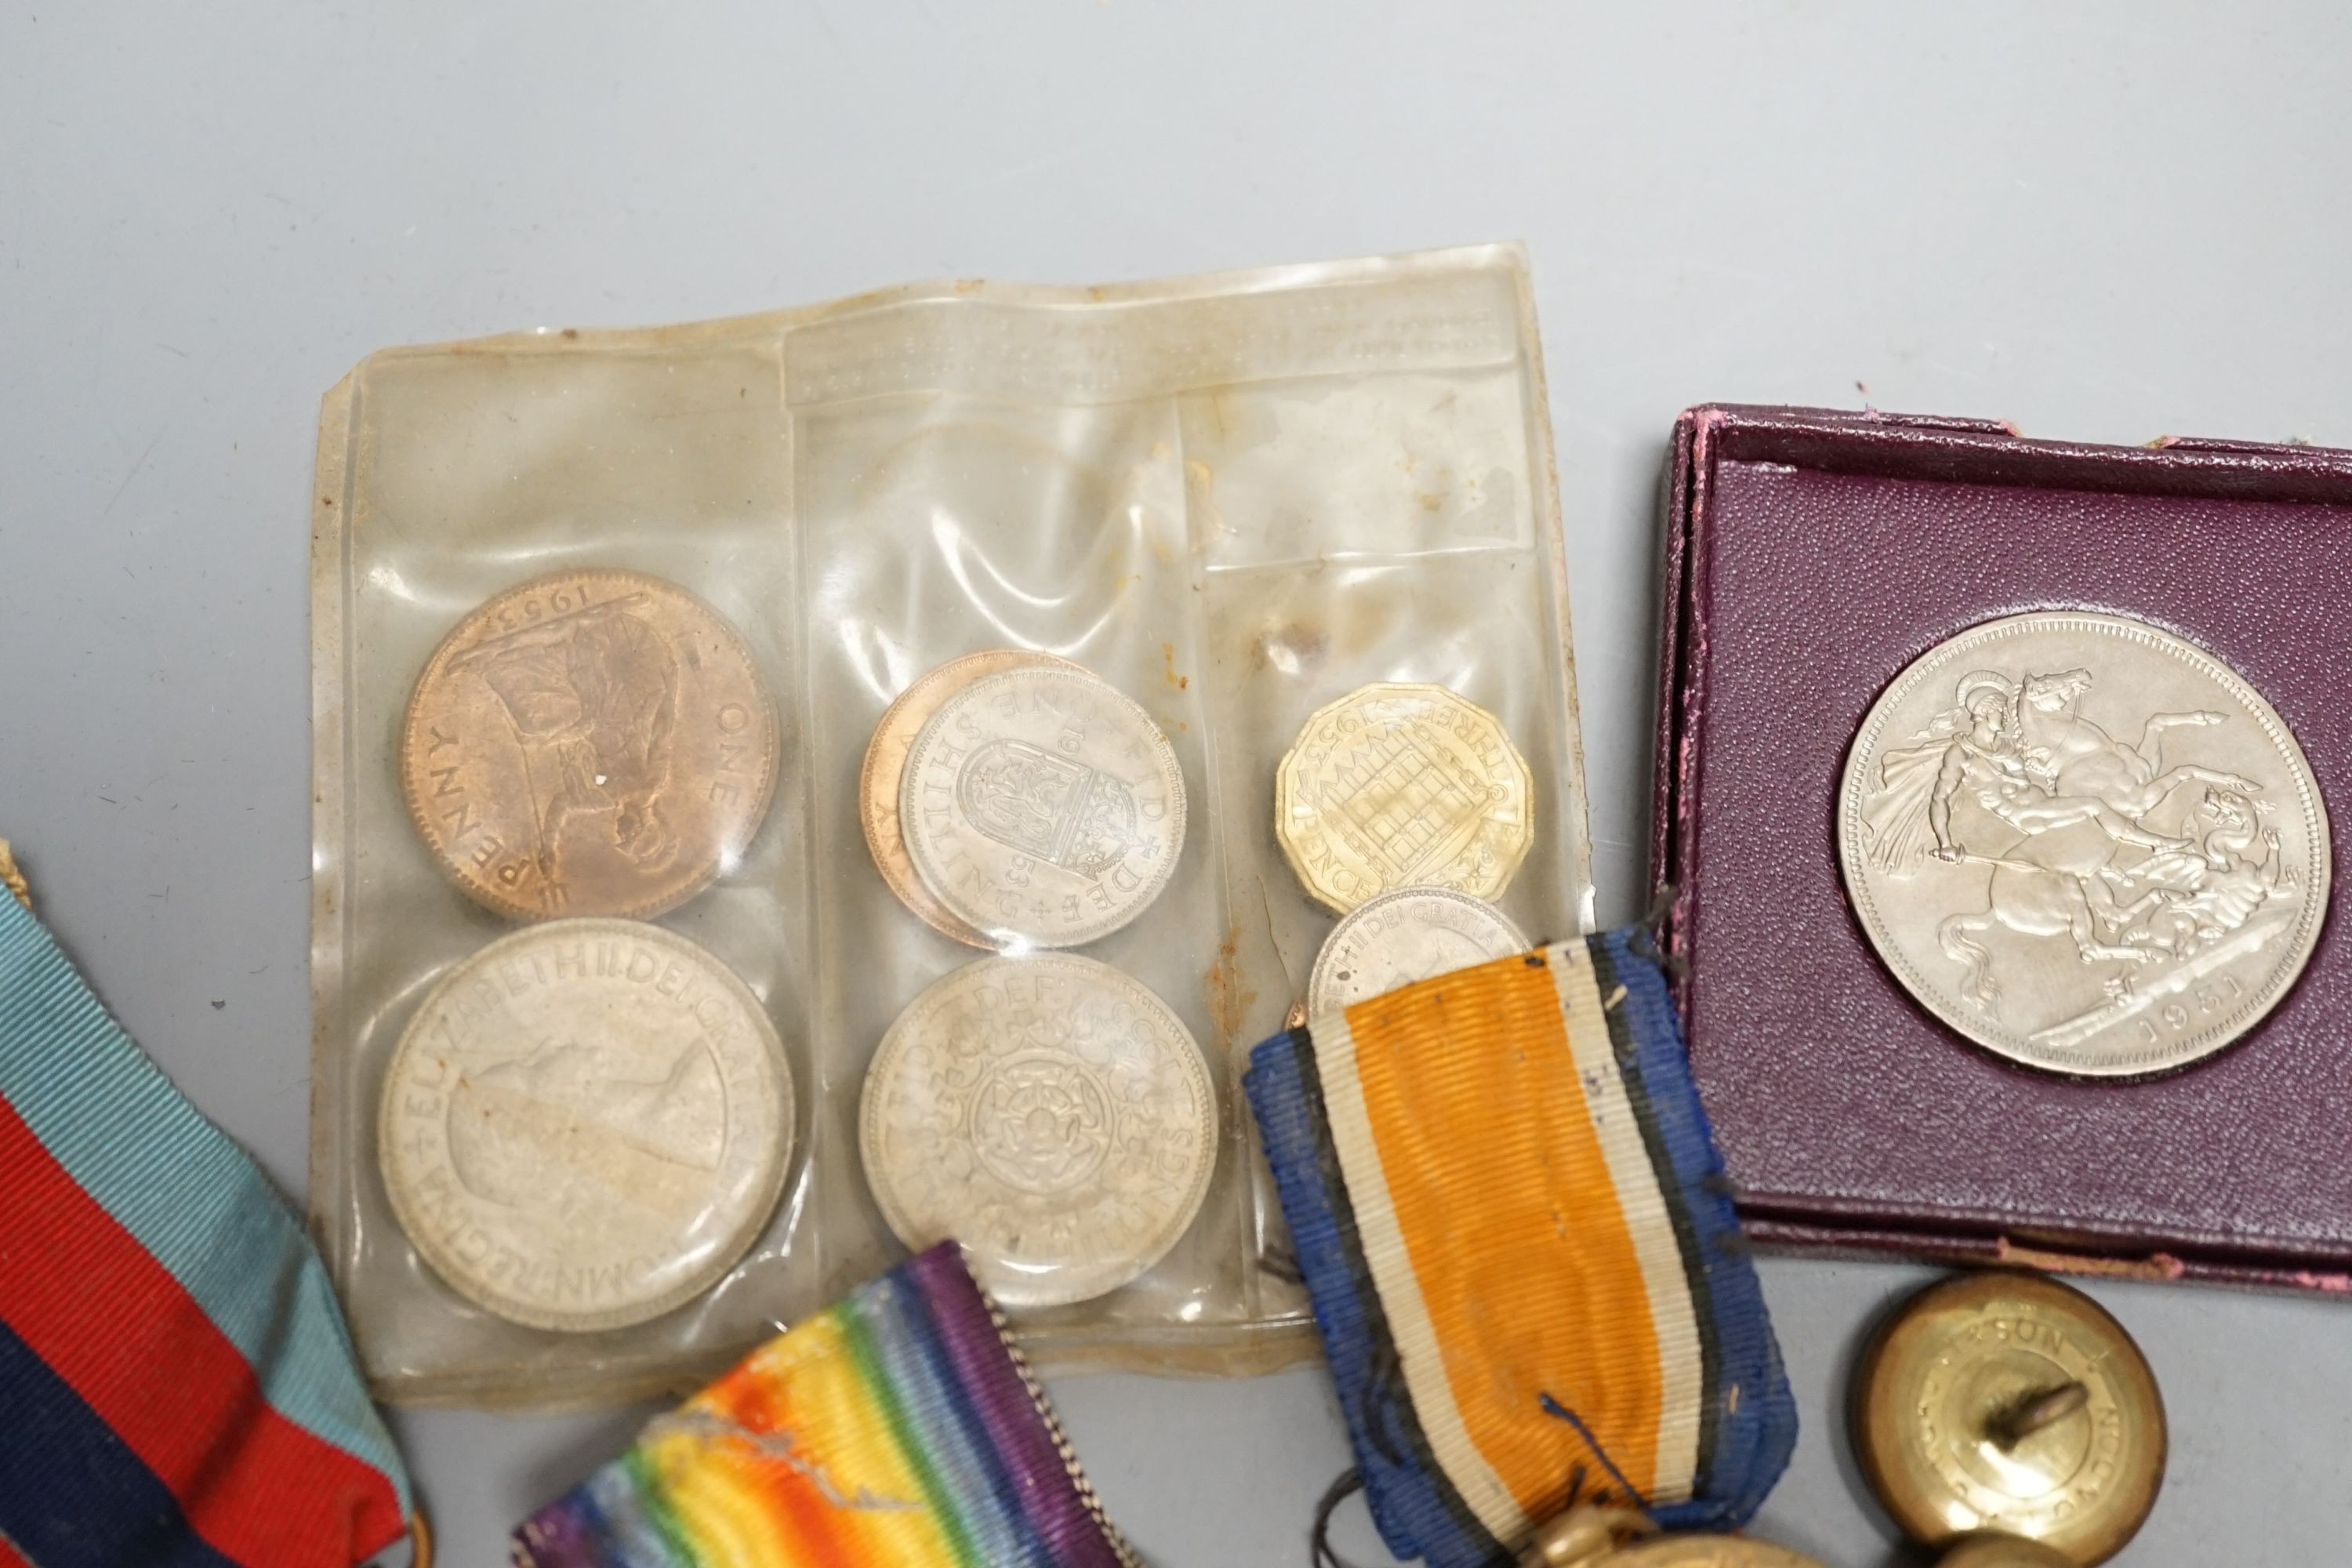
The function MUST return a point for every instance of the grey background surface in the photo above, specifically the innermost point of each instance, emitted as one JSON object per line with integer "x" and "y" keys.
{"x": 2101, "y": 221}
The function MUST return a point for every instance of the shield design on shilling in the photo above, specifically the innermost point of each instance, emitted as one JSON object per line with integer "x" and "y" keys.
{"x": 1048, "y": 808}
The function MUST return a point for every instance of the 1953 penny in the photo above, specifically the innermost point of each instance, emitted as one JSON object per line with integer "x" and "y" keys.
{"x": 592, "y": 743}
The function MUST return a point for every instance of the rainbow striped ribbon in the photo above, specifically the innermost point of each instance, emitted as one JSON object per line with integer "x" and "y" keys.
{"x": 896, "y": 1429}
{"x": 176, "y": 1386}
{"x": 1509, "y": 1213}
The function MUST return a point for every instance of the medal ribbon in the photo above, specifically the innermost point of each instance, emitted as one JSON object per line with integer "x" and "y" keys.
{"x": 1509, "y": 1211}
{"x": 896, "y": 1429}
{"x": 177, "y": 1385}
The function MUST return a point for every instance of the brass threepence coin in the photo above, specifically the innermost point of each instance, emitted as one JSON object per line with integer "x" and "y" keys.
{"x": 2084, "y": 842}
{"x": 1404, "y": 936}
{"x": 1403, "y": 787}
{"x": 586, "y": 1124}
{"x": 1050, "y": 1113}
{"x": 1043, "y": 807}
{"x": 589, "y": 743}
{"x": 879, "y": 780}
{"x": 2011, "y": 1405}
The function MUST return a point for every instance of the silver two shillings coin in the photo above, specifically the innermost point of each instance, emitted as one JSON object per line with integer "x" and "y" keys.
{"x": 1398, "y": 938}
{"x": 1050, "y": 1113}
{"x": 1043, "y": 806}
{"x": 2084, "y": 843}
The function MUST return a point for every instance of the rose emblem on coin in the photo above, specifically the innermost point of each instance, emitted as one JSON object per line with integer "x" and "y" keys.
{"x": 1049, "y": 1112}
{"x": 589, "y": 743}
{"x": 2084, "y": 843}
{"x": 1040, "y": 1123}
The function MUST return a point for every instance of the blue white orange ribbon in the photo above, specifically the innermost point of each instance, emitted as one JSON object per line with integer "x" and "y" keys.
{"x": 1507, "y": 1207}
{"x": 176, "y": 1386}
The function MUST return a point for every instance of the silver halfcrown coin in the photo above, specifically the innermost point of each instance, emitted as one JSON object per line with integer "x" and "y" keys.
{"x": 1050, "y": 1113}
{"x": 586, "y": 1124}
{"x": 1398, "y": 938}
{"x": 2084, "y": 842}
{"x": 1044, "y": 808}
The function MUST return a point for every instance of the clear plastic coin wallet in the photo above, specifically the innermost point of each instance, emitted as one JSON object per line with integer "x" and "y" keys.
{"x": 794, "y": 789}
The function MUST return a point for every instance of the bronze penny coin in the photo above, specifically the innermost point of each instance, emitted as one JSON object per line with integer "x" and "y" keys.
{"x": 886, "y": 765}
{"x": 592, "y": 743}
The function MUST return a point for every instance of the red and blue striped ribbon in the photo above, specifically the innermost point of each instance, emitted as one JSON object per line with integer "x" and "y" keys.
{"x": 176, "y": 1387}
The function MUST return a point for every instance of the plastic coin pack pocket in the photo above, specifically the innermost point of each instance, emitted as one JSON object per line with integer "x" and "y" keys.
{"x": 793, "y": 790}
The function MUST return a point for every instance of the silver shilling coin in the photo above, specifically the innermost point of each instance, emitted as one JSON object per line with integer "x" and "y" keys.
{"x": 1400, "y": 937}
{"x": 2084, "y": 842}
{"x": 1043, "y": 806}
{"x": 1049, "y": 1112}
{"x": 586, "y": 1124}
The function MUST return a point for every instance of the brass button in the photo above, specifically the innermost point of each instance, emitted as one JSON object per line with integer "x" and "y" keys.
{"x": 1707, "y": 1552}
{"x": 1589, "y": 1537}
{"x": 2003, "y": 1552}
{"x": 2008, "y": 1402}
{"x": 1583, "y": 1534}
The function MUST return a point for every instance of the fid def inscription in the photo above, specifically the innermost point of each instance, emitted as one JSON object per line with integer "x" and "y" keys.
{"x": 1041, "y": 808}
{"x": 881, "y": 778}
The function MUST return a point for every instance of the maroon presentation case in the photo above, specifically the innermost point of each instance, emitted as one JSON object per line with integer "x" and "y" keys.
{"x": 1810, "y": 556}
